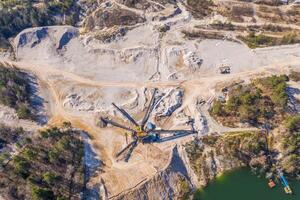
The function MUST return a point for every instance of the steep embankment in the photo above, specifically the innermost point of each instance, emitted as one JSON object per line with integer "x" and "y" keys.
{"x": 171, "y": 182}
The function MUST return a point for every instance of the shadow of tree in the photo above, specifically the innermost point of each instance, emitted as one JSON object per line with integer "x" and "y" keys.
{"x": 37, "y": 102}
{"x": 294, "y": 103}
{"x": 93, "y": 165}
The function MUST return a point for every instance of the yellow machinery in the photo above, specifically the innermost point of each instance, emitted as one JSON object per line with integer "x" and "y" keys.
{"x": 140, "y": 132}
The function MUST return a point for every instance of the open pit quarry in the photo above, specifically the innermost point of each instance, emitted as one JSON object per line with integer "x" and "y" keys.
{"x": 78, "y": 76}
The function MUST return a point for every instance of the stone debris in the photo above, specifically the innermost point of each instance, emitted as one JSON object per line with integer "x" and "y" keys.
{"x": 168, "y": 104}
{"x": 192, "y": 60}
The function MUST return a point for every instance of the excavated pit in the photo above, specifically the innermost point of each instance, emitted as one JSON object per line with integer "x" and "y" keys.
{"x": 82, "y": 76}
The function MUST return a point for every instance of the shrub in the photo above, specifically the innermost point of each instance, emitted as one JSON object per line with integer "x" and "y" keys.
{"x": 63, "y": 144}
{"x": 3, "y": 157}
{"x": 273, "y": 81}
{"x": 24, "y": 112}
{"x": 39, "y": 193}
{"x": 292, "y": 123}
{"x": 290, "y": 38}
{"x": 217, "y": 108}
{"x": 184, "y": 189}
{"x": 61, "y": 198}
{"x": 53, "y": 156}
{"x": 291, "y": 146}
{"x": 200, "y": 8}
{"x": 50, "y": 178}
{"x": 248, "y": 113}
{"x": 255, "y": 41}
{"x": 232, "y": 104}
{"x": 15, "y": 91}
{"x": 30, "y": 154}
{"x": 22, "y": 167}
{"x": 276, "y": 85}
{"x": 51, "y": 133}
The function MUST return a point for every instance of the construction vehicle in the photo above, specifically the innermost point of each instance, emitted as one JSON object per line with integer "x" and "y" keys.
{"x": 224, "y": 69}
{"x": 145, "y": 132}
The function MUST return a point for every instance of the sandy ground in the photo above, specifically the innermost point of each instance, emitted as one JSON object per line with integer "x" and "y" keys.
{"x": 82, "y": 78}
{"x": 146, "y": 159}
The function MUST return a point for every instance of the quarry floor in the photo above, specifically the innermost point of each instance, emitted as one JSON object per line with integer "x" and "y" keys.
{"x": 120, "y": 72}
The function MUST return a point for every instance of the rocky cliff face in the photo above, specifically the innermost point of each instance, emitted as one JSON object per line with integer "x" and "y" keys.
{"x": 199, "y": 162}
{"x": 213, "y": 155}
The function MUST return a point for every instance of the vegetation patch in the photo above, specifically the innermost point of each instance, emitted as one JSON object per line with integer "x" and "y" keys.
{"x": 227, "y": 26}
{"x": 292, "y": 123}
{"x": 258, "y": 41}
{"x": 49, "y": 166}
{"x": 110, "y": 34}
{"x": 184, "y": 189}
{"x": 8, "y": 136}
{"x": 200, "y": 8}
{"x": 290, "y": 146}
{"x": 275, "y": 14}
{"x": 247, "y": 148}
{"x": 270, "y": 2}
{"x": 200, "y": 34}
{"x": 15, "y": 91}
{"x": 110, "y": 17}
{"x": 230, "y": 149}
{"x": 236, "y": 12}
{"x": 263, "y": 100}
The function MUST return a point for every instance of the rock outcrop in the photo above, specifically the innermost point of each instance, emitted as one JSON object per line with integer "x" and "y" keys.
{"x": 34, "y": 36}
{"x": 213, "y": 155}
{"x": 169, "y": 102}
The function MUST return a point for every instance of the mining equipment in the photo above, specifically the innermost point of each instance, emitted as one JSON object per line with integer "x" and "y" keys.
{"x": 144, "y": 132}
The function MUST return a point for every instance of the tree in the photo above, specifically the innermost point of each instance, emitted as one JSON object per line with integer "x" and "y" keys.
{"x": 217, "y": 108}
{"x": 50, "y": 178}
{"x": 39, "y": 193}
{"x": 61, "y": 198}
{"x": 292, "y": 123}
{"x": 232, "y": 103}
{"x": 53, "y": 156}
{"x": 248, "y": 113}
{"x": 22, "y": 167}
{"x": 24, "y": 112}
{"x": 30, "y": 154}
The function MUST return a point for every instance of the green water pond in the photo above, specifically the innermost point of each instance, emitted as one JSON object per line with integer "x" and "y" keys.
{"x": 242, "y": 184}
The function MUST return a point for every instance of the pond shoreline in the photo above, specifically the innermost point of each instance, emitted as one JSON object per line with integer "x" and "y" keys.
{"x": 243, "y": 184}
